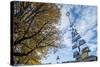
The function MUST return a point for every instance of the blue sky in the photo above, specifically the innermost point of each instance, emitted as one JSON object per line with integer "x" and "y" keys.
{"x": 84, "y": 19}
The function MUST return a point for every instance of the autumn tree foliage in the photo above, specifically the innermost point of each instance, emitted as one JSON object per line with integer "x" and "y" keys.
{"x": 34, "y": 31}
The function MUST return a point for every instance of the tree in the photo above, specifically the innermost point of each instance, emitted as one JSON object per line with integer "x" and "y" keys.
{"x": 34, "y": 31}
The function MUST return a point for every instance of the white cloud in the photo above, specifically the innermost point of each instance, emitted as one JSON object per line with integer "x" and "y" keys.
{"x": 86, "y": 27}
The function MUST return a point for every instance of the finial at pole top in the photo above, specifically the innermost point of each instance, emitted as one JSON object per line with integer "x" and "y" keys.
{"x": 67, "y": 13}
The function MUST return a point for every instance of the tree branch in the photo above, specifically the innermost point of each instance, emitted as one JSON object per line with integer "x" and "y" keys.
{"x": 28, "y": 37}
{"x": 25, "y": 54}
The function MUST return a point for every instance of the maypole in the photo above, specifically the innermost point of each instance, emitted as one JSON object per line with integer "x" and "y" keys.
{"x": 79, "y": 53}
